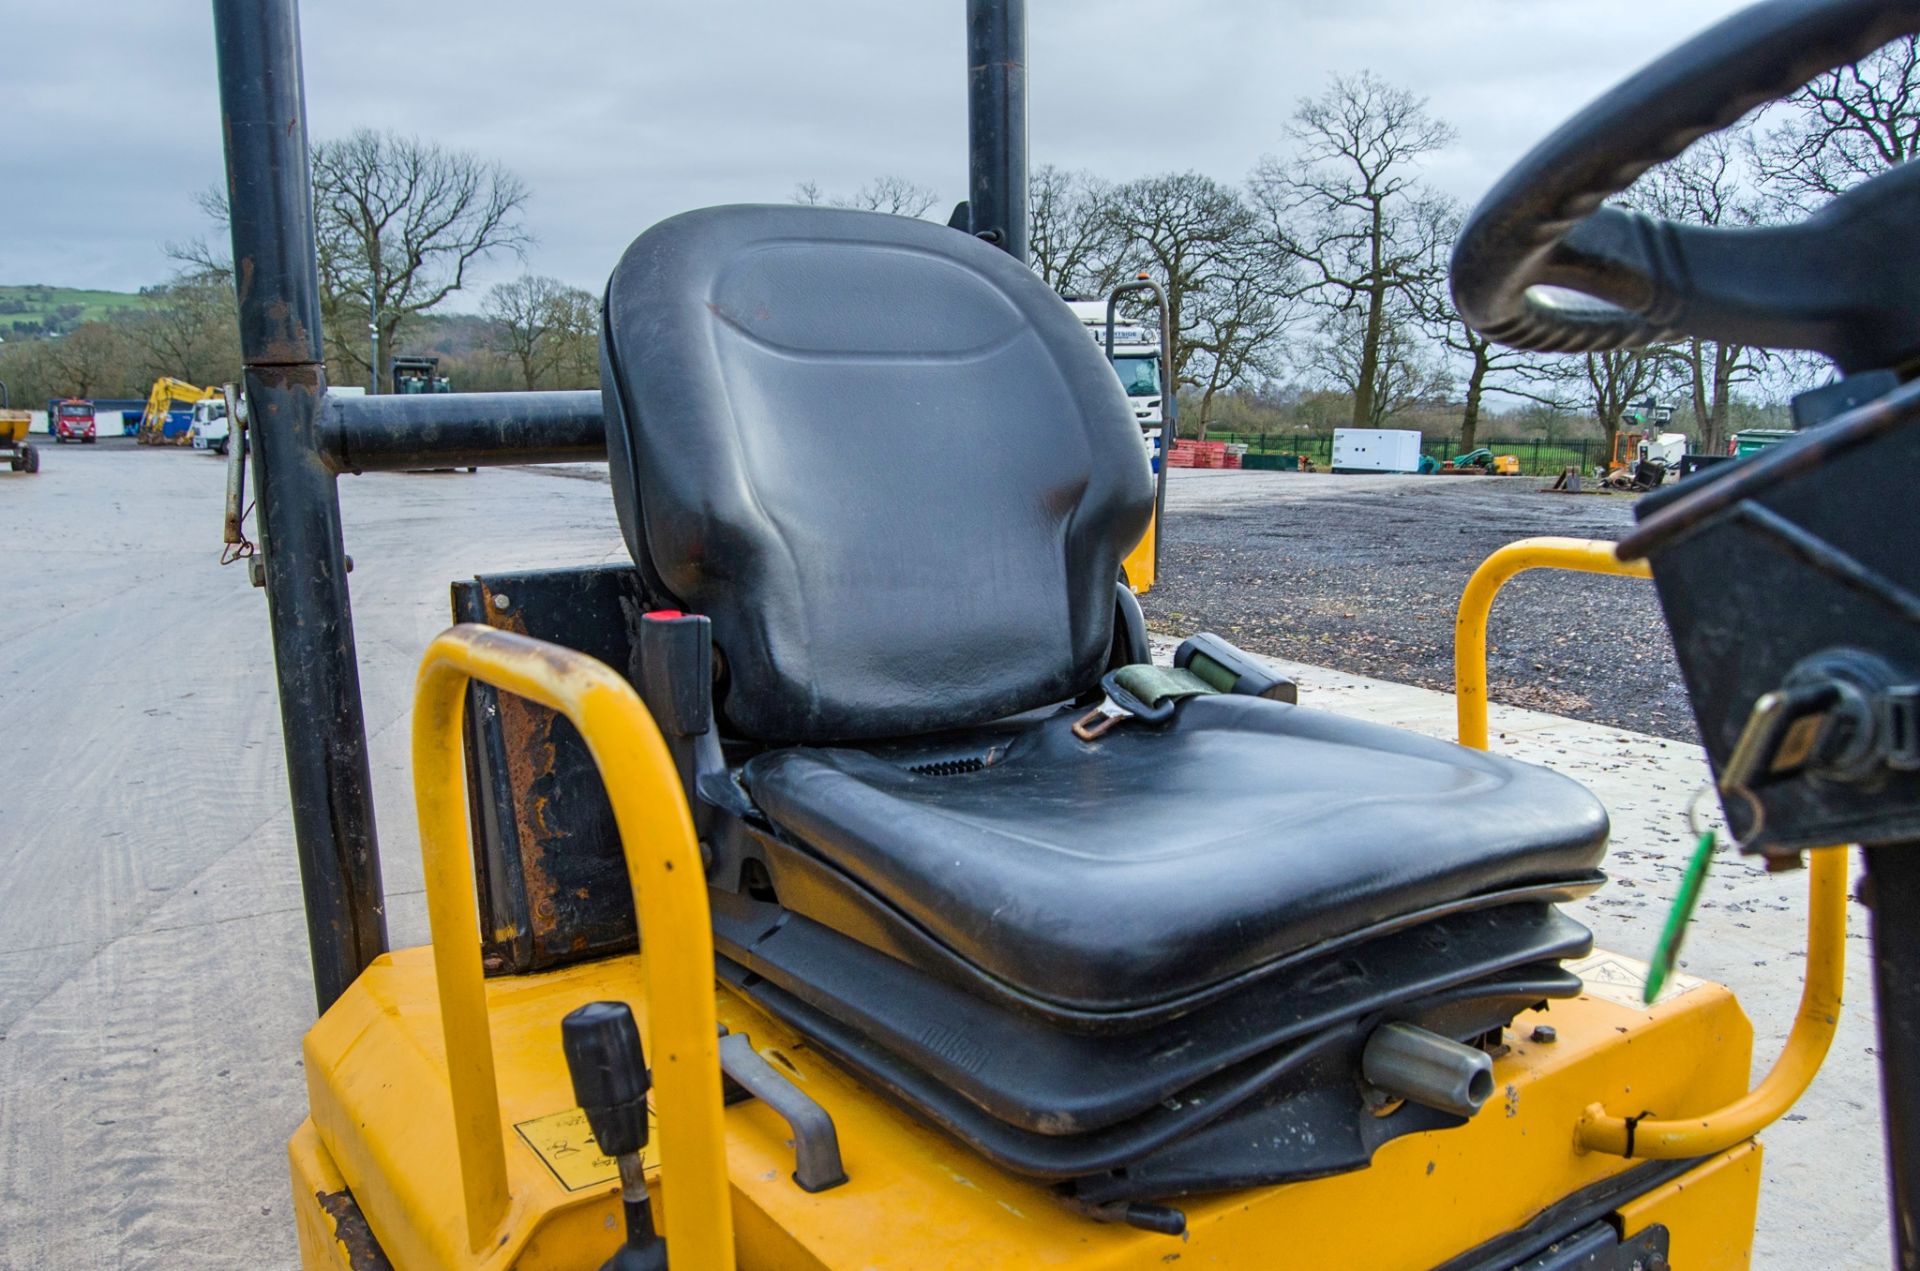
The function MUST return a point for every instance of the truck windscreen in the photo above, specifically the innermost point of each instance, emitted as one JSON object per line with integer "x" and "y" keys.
{"x": 1139, "y": 374}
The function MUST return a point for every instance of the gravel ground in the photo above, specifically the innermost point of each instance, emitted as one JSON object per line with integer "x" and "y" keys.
{"x": 1363, "y": 574}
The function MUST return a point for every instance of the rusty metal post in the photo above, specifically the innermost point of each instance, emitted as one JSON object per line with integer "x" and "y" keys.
{"x": 270, "y": 197}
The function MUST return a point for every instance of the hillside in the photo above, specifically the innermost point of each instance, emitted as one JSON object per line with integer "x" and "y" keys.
{"x": 32, "y": 308}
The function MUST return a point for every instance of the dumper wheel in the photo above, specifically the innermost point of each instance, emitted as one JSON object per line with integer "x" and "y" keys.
{"x": 28, "y": 458}
{"x": 18, "y": 461}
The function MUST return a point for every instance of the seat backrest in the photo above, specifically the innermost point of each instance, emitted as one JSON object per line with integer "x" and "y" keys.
{"x": 881, "y": 455}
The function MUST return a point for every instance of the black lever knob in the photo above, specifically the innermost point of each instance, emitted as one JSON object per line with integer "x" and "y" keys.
{"x": 609, "y": 1071}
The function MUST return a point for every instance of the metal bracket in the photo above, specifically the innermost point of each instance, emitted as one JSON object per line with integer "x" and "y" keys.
{"x": 816, "y": 1144}
{"x": 233, "y": 532}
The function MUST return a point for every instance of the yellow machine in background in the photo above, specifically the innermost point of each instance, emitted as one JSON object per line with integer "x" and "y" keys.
{"x": 21, "y": 455}
{"x": 168, "y": 395}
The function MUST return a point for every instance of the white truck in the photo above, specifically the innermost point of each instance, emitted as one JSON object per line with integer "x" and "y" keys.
{"x": 1136, "y": 357}
{"x": 210, "y": 429}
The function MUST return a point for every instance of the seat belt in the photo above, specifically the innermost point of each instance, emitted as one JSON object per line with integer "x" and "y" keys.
{"x": 1146, "y": 692}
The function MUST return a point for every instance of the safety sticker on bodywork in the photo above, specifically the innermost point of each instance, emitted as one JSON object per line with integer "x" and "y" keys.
{"x": 565, "y": 1142}
{"x": 1616, "y": 978}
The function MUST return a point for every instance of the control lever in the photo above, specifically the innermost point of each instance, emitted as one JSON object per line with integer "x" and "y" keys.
{"x": 609, "y": 1070}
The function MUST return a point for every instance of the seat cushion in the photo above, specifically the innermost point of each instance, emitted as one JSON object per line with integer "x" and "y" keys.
{"x": 1157, "y": 862}
{"x": 878, "y": 454}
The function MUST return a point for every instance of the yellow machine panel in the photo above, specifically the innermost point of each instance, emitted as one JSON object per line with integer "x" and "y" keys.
{"x": 381, "y": 1130}
{"x": 1139, "y": 562}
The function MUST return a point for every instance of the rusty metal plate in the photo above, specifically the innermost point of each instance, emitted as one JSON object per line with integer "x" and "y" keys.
{"x": 553, "y": 886}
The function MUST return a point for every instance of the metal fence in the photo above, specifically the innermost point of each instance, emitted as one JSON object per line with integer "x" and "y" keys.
{"x": 1539, "y": 456}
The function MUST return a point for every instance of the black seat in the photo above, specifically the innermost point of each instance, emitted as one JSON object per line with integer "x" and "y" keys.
{"x": 893, "y": 472}
{"x": 1156, "y": 863}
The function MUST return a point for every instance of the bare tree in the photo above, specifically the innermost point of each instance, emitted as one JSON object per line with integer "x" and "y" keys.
{"x": 1070, "y": 234}
{"x": 1708, "y": 186}
{"x": 90, "y": 358}
{"x": 402, "y": 221}
{"x": 399, "y": 222}
{"x": 1349, "y": 208}
{"x": 1190, "y": 233}
{"x": 575, "y": 318}
{"x": 1402, "y": 373}
{"x": 1490, "y": 367}
{"x": 894, "y": 195}
{"x": 1238, "y": 322}
{"x": 522, "y": 313}
{"x": 1619, "y": 378}
{"x": 188, "y": 329}
{"x": 1842, "y": 128}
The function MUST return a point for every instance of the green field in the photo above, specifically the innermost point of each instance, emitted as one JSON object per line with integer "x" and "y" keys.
{"x": 33, "y": 303}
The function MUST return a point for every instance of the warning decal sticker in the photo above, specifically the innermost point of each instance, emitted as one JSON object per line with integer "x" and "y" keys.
{"x": 1616, "y": 978}
{"x": 565, "y": 1142}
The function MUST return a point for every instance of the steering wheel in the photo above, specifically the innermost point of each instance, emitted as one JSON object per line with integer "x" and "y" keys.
{"x": 1844, "y": 282}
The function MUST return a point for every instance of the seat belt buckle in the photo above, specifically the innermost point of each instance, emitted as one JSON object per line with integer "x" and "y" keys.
{"x": 1097, "y": 722}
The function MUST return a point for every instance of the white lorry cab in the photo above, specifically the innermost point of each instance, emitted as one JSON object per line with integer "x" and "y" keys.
{"x": 210, "y": 429}
{"x": 1136, "y": 357}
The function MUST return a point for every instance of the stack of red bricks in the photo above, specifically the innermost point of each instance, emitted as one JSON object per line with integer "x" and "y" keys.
{"x": 1202, "y": 454}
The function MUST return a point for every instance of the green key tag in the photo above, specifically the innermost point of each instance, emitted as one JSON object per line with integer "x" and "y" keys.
{"x": 1667, "y": 951}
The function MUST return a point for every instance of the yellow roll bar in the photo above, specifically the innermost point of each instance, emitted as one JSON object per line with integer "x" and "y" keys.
{"x": 1819, "y": 1013}
{"x": 1813, "y": 1027}
{"x": 1585, "y": 555}
{"x": 669, "y": 896}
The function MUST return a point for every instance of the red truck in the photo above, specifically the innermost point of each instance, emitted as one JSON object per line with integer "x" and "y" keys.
{"x": 73, "y": 421}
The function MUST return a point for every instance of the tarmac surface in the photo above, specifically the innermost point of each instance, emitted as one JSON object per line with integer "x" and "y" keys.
{"x": 1362, "y": 573}
{"x": 153, "y": 969}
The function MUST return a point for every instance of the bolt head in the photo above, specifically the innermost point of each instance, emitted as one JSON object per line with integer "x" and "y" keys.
{"x": 502, "y": 602}
{"x": 1545, "y": 1034}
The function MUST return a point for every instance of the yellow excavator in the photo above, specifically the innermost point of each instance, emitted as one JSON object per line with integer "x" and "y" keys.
{"x": 840, "y": 883}
{"x": 158, "y": 425}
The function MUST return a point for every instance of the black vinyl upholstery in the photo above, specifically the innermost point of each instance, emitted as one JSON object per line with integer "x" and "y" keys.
{"x": 1160, "y": 861}
{"x": 896, "y": 475}
{"x": 883, "y": 457}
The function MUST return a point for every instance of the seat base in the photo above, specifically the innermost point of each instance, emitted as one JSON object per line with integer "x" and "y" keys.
{"x": 1259, "y": 1087}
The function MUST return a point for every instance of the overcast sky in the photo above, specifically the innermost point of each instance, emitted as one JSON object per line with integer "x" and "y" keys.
{"x": 620, "y": 114}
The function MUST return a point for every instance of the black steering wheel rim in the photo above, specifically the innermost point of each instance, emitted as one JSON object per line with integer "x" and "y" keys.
{"x": 1627, "y": 280}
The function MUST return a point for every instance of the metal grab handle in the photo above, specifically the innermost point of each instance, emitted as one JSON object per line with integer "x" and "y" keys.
{"x": 816, "y": 1143}
{"x": 1792, "y": 1072}
{"x": 1584, "y": 555}
{"x": 1819, "y": 1013}
{"x": 669, "y": 897}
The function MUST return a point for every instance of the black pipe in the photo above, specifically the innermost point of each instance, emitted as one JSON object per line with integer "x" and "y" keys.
{"x": 270, "y": 196}
{"x": 1893, "y": 888}
{"x": 461, "y": 430}
{"x": 997, "y": 123}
